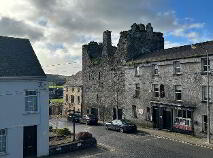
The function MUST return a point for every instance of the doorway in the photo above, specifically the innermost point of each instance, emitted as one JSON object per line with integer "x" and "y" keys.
{"x": 167, "y": 119}
{"x": 30, "y": 141}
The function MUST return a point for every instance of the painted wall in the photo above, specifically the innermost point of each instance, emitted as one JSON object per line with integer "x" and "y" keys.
{"x": 13, "y": 116}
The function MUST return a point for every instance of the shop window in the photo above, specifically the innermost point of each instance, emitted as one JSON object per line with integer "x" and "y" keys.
{"x": 178, "y": 91}
{"x": 134, "y": 112}
{"x": 183, "y": 119}
{"x": 204, "y": 123}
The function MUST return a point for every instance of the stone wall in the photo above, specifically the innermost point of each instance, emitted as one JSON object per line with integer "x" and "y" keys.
{"x": 103, "y": 75}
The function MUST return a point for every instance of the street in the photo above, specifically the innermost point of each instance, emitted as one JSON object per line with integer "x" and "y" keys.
{"x": 141, "y": 145}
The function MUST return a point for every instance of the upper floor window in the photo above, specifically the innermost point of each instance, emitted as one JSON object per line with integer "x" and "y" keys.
{"x": 137, "y": 90}
{"x": 79, "y": 89}
{"x": 97, "y": 98}
{"x": 134, "y": 112}
{"x": 155, "y": 69}
{"x": 176, "y": 67}
{"x": 66, "y": 89}
{"x": 99, "y": 75}
{"x": 73, "y": 89}
{"x": 178, "y": 91}
{"x": 162, "y": 91}
{"x": 205, "y": 93}
{"x": 3, "y": 136}
{"x": 79, "y": 100}
{"x": 137, "y": 71}
{"x": 156, "y": 90}
{"x": 66, "y": 97}
{"x": 72, "y": 99}
{"x": 204, "y": 64}
{"x": 31, "y": 101}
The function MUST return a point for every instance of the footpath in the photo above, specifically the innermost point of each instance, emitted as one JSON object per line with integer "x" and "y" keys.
{"x": 178, "y": 137}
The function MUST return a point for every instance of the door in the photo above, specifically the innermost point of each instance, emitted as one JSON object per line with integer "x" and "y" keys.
{"x": 155, "y": 117}
{"x": 114, "y": 113}
{"x": 167, "y": 119}
{"x": 30, "y": 141}
{"x": 120, "y": 112}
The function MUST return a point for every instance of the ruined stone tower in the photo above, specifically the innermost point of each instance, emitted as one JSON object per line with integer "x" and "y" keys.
{"x": 101, "y": 75}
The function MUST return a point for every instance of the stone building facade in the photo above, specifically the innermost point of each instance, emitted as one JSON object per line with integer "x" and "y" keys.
{"x": 73, "y": 94}
{"x": 168, "y": 89}
{"x": 102, "y": 70}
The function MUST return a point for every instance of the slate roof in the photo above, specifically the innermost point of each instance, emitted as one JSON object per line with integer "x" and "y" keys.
{"x": 18, "y": 59}
{"x": 74, "y": 80}
{"x": 176, "y": 53}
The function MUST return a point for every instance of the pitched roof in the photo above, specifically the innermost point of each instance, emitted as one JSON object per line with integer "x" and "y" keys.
{"x": 74, "y": 80}
{"x": 18, "y": 59}
{"x": 175, "y": 53}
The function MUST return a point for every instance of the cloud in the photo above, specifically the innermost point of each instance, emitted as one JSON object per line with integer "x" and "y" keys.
{"x": 12, "y": 27}
{"x": 59, "y": 28}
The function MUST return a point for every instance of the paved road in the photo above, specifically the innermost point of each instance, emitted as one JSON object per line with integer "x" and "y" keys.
{"x": 141, "y": 145}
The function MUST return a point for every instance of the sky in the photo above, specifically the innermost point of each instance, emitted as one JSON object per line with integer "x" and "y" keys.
{"x": 57, "y": 29}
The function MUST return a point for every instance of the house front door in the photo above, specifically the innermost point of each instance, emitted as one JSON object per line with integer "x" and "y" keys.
{"x": 30, "y": 141}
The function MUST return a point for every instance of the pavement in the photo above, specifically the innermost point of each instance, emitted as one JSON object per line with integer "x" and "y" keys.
{"x": 178, "y": 137}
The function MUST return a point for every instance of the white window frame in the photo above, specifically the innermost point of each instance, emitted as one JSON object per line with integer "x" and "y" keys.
{"x": 178, "y": 92}
{"x": 155, "y": 69}
{"x": 177, "y": 67}
{"x": 154, "y": 92}
{"x": 204, "y": 93}
{"x": 137, "y": 71}
{"x": 33, "y": 108}
{"x": 205, "y": 65}
{"x": 3, "y": 136}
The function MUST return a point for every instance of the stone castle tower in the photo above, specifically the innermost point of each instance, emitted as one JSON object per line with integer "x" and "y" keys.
{"x": 102, "y": 67}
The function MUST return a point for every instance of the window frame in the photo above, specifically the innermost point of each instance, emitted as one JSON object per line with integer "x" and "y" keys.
{"x": 4, "y": 137}
{"x": 37, "y": 101}
{"x": 203, "y": 64}
{"x": 155, "y": 69}
{"x": 156, "y": 92}
{"x": 204, "y": 124}
{"x": 176, "y": 92}
{"x": 177, "y": 67}
{"x": 205, "y": 94}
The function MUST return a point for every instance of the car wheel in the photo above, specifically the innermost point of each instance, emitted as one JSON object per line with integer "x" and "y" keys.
{"x": 121, "y": 130}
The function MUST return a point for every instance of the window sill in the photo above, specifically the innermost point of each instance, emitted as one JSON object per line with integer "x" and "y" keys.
{"x": 180, "y": 101}
{"x": 177, "y": 74}
{"x": 31, "y": 112}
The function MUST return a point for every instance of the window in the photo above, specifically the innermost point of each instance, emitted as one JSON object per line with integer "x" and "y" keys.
{"x": 137, "y": 90}
{"x": 97, "y": 97}
{"x": 183, "y": 119}
{"x": 66, "y": 97}
{"x": 99, "y": 75}
{"x": 89, "y": 76}
{"x": 156, "y": 90}
{"x": 3, "y": 135}
{"x": 79, "y": 89}
{"x": 79, "y": 100}
{"x": 31, "y": 101}
{"x": 155, "y": 69}
{"x": 204, "y": 123}
{"x": 162, "y": 92}
{"x": 178, "y": 93}
{"x": 204, "y": 64}
{"x": 205, "y": 93}
{"x": 137, "y": 71}
{"x": 176, "y": 67}
{"x": 72, "y": 99}
{"x": 148, "y": 116}
{"x": 66, "y": 89}
{"x": 73, "y": 89}
{"x": 134, "y": 112}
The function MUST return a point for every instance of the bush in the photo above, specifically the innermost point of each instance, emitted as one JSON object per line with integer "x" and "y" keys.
{"x": 63, "y": 132}
{"x": 83, "y": 135}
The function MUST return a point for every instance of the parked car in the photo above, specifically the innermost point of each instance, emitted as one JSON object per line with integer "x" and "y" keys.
{"x": 89, "y": 119}
{"x": 74, "y": 116}
{"x": 121, "y": 125}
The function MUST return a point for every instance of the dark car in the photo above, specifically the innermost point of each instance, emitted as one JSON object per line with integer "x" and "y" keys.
{"x": 89, "y": 119}
{"x": 121, "y": 125}
{"x": 74, "y": 116}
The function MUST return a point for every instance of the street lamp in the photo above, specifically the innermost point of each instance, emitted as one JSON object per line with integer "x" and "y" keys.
{"x": 207, "y": 103}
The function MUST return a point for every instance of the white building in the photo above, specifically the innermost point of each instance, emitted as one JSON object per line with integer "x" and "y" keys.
{"x": 23, "y": 101}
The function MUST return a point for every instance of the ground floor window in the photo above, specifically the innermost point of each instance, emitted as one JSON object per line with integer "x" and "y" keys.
{"x": 183, "y": 119}
{"x": 148, "y": 112}
{"x": 204, "y": 123}
{"x": 134, "y": 112}
{"x": 3, "y": 135}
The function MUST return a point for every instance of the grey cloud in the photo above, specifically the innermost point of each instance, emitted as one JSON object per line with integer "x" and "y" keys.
{"x": 12, "y": 27}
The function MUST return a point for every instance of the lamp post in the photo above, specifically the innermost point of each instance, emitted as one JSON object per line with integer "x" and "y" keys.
{"x": 207, "y": 103}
